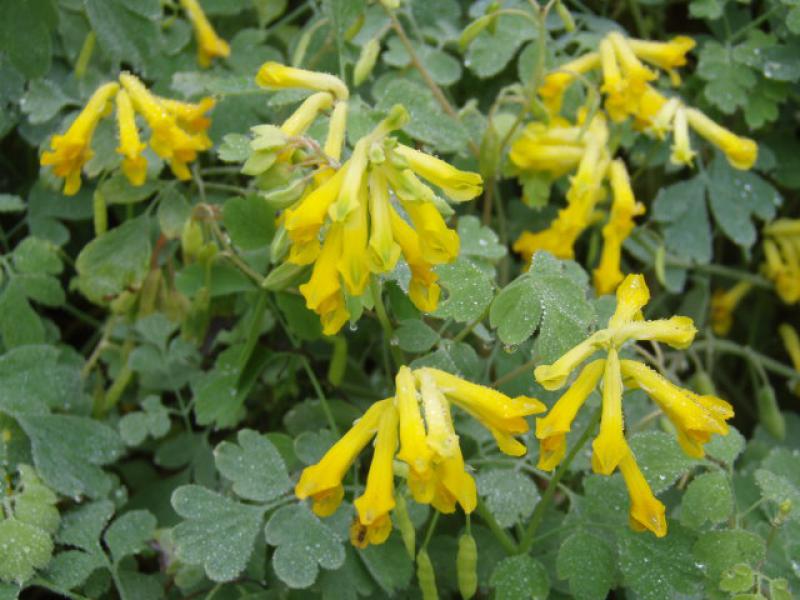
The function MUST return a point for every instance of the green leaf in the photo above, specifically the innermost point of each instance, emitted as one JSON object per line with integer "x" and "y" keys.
{"x": 254, "y": 466}
{"x": 69, "y": 450}
{"x": 720, "y": 550}
{"x": 72, "y": 568}
{"x": 118, "y": 190}
{"x": 726, "y": 447}
{"x": 708, "y": 498}
{"x": 551, "y": 296}
{"x": 587, "y": 562}
{"x": 443, "y": 68}
{"x": 302, "y": 322}
{"x": 115, "y": 261}
{"x": 19, "y": 323}
{"x": 469, "y": 291}
{"x": 706, "y": 9}
{"x": 249, "y": 221}
{"x": 154, "y": 421}
{"x": 739, "y": 578}
{"x": 123, "y": 32}
{"x": 304, "y": 543}
{"x": 479, "y": 242}
{"x": 129, "y": 534}
{"x": 173, "y": 211}
{"x": 44, "y": 289}
{"x": 681, "y": 207}
{"x": 780, "y": 490}
{"x": 413, "y": 335}
{"x": 389, "y": 564}
{"x": 729, "y": 82}
{"x": 36, "y": 378}
{"x": 738, "y": 196}
{"x": 660, "y": 458}
{"x": 25, "y": 34}
{"x": 35, "y": 504}
{"x": 43, "y": 101}
{"x": 656, "y": 568}
{"x": 519, "y": 577}
{"x": 218, "y": 533}
{"x": 10, "y": 203}
{"x": 493, "y": 48}
{"x": 510, "y": 495}
{"x": 24, "y": 548}
{"x": 215, "y": 398}
{"x": 235, "y": 147}
{"x": 35, "y": 255}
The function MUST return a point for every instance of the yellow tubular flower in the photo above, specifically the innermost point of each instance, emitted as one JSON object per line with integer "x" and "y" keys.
{"x": 783, "y": 227}
{"x": 636, "y": 74}
{"x": 609, "y": 447}
{"x": 70, "y": 151}
{"x": 457, "y": 185}
{"x": 632, "y": 295}
{"x": 618, "y": 105}
{"x": 677, "y": 331}
{"x": 191, "y": 116}
{"x": 682, "y": 153}
{"x": 551, "y": 430}
{"x": 422, "y": 289}
{"x": 414, "y": 450}
{"x": 209, "y": 44}
{"x": 304, "y": 221}
{"x": 301, "y": 119}
{"x": 723, "y": 303}
{"x": 273, "y": 75}
{"x": 554, "y": 376}
{"x": 557, "y": 82}
{"x": 439, "y": 243}
{"x": 664, "y": 55}
{"x": 646, "y": 512}
{"x": 441, "y": 438}
{"x": 350, "y": 192}
{"x": 373, "y": 524}
{"x": 323, "y": 481}
{"x": 456, "y": 483}
{"x": 134, "y": 165}
{"x": 661, "y": 123}
{"x": 791, "y": 342}
{"x": 336, "y": 131}
{"x": 624, "y": 208}
{"x": 354, "y": 262}
{"x": 741, "y": 152}
{"x": 323, "y": 292}
{"x": 383, "y": 250}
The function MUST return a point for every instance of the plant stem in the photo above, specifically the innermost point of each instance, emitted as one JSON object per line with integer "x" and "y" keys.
{"x": 499, "y": 533}
{"x": 747, "y": 353}
{"x": 321, "y": 395}
{"x": 253, "y": 330}
{"x": 514, "y": 373}
{"x": 469, "y": 328}
{"x": 388, "y": 331}
{"x": 539, "y": 512}
{"x": 431, "y": 529}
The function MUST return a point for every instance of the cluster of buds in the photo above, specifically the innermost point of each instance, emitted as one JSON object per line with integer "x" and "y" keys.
{"x": 560, "y": 148}
{"x": 354, "y": 219}
{"x": 695, "y": 417}
{"x": 429, "y": 457}
{"x": 626, "y": 85}
{"x": 177, "y": 132}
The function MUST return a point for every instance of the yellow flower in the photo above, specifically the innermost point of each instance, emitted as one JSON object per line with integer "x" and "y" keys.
{"x": 646, "y": 512}
{"x": 273, "y": 75}
{"x": 384, "y": 251}
{"x": 723, "y": 303}
{"x": 661, "y": 123}
{"x": 209, "y": 44}
{"x": 334, "y": 142}
{"x": 619, "y": 101}
{"x": 190, "y": 115}
{"x": 664, "y": 55}
{"x": 436, "y": 473}
{"x": 457, "y": 185}
{"x": 682, "y": 153}
{"x": 741, "y": 152}
{"x": 323, "y": 292}
{"x": 373, "y": 524}
{"x": 636, "y": 74}
{"x": 70, "y": 151}
{"x": 552, "y": 429}
{"x": 557, "y": 82}
{"x": 168, "y": 139}
{"x": 620, "y": 223}
{"x": 323, "y": 481}
{"x": 439, "y": 243}
{"x": 791, "y": 342}
{"x": 782, "y": 258}
{"x": 695, "y": 417}
{"x": 354, "y": 262}
{"x": 301, "y": 119}
{"x": 422, "y": 289}
{"x": 134, "y": 165}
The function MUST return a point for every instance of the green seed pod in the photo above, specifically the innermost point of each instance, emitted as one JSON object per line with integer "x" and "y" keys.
{"x": 467, "y": 566}
{"x": 472, "y": 30}
{"x": 123, "y": 303}
{"x": 191, "y": 240}
{"x": 566, "y": 17}
{"x": 279, "y": 245}
{"x": 702, "y": 383}
{"x": 660, "y": 264}
{"x": 404, "y": 524}
{"x": 426, "y": 576}
{"x": 284, "y": 276}
{"x": 338, "y": 362}
{"x": 100, "y": 213}
{"x": 366, "y": 61}
{"x": 769, "y": 414}
{"x": 149, "y": 292}
{"x": 353, "y": 30}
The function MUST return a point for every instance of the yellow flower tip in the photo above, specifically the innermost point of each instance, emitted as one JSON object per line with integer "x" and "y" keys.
{"x": 377, "y": 532}
{"x": 551, "y": 450}
{"x": 553, "y": 377}
{"x": 724, "y": 303}
{"x": 646, "y": 511}
{"x": 439, "y": 244}
{"x": 414, "y": 450}
{"x": 424, "y": 293}
{"x": 632, "y": 295}
{"x": 273, "y": 75}
{"x": 457, "y": 185}
{"x": 209, "y": 44}
{"x": 677, "y": 331}
{"x": 324, "y": 502}
{"x": 610, "y": 447}
{"x": 665, "y": 55}
{"x": 71, "y": 151}
{"x": 455, "y": 484}
{"x": 741, "y": 152}
{"x": 528, "y": 405}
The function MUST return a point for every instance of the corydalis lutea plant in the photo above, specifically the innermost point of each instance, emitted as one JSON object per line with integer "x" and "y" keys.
{"x": 354, "y": 220}
{"x": 418, "y": 418}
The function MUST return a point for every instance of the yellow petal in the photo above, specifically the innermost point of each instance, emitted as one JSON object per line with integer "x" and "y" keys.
{"x": 353, "y": 263}
{"x": 422, "y": 290}
{"x": 273, "y": 75}
{"x": 458, "y": 482}
{"x": 676, "y": 331}
{"x": 646, "y": 512}
{"x": 441, "y": 437}
{"x": 554, "y": 376}
{"x": 383, "y": 250}
{"x": 791, "y": 342}
{"x": 350, "y": 192}
{"x": 414, "y": 450}
{"x": 456, "y": 184}
{"x": 378, "y": 497}
{"x": 336, "y": 131}
{"x": 209, "y": 44}
{"x": 609, "y": 447}
{"x": 741, "y": 152}
{"x": 682, "y": 153}
{"x": 665, "y": 55}
{"x": 304, "y": 221}
{"x": 723, "y": 303}
{"x": 439, "y": 243}
{"x": 556, "y": 82}
{"x": 134, "y": 165}
{"x": 559, "y": 419}
{"x": 632, "y": 295}
{"x": 302, "y": 118}
{"x": 323, "y": 481}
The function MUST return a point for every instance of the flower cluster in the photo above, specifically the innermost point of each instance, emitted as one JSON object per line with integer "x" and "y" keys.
{"x": 626, "y": 85}
{"x": 177, "y": 132}
{"x": 558, "y": 149}
{"x": 782, "y": 258}
{"x": 209, "y": 44}
{"x": 695, "y": 417}
{"x": 419, "y": 419}
{"x": 356, "y": 219}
